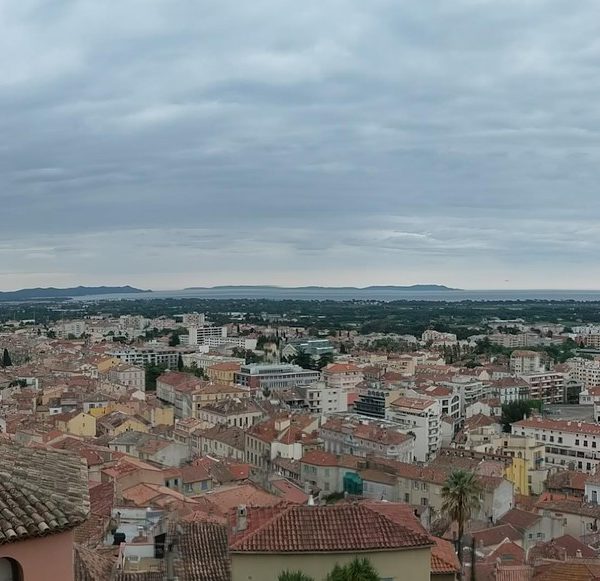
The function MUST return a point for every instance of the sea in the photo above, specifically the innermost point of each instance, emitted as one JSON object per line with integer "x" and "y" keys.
{"x": 384, "y": 295}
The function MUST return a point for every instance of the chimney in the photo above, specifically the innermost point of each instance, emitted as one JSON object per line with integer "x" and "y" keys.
{"x": 579, "y": 554}
{"x": 242, "y": 518}
{"x": 311, "y": 500}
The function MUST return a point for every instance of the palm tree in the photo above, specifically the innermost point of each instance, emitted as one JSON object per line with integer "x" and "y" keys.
{"x": 460, "y": 498}
{"x": 294, "y": 576}
{"x": 357, "y": 570}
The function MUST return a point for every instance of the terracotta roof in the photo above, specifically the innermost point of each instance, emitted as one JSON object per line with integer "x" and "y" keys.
{"x": 341, "y": 368}
{"x": 567, "y": 480}
{"x": 575, "y": 570}
{"x": 495, "y": 535}
{"x": 443, "y": 557}
{"x": 319, "y": 458}
{"x": 288, "y": 491}
{"x": 413, "y": 403}
{"x": 317, "y": 529}
{"x": 560, "y": 549}
{"x": 203, "y": 553}
{"x": 520, "y": 519}
{"x": 571, "y": 426}
{"x": 228, "y": 497}
{"x": 41, "y": 491}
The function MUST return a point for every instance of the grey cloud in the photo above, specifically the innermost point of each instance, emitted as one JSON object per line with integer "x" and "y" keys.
{"x": 268, "y": 141}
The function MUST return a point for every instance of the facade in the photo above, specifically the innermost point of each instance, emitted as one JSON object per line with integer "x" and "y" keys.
{"x": 527, "y": 470}
{"x": 320, "y": 398}
{"x": 264, "y": 552}
{"x": 275, "y": 377}
{"x": 344, "y": 376}
{"x": 569, "y": 444}
{"x": 422, "y": 417}
{"x": 548, "y": 387}
{"x": 223, "y": 372}
{"x": 438, "y": 337}
{"x": 586, "y": 371}
{"x": 150, "y": 355}
{"x": 242, "y": 413}
{"x": 526, "y": 362}
{"x": 346, "y": 435}
{"x": 199, "y": 335}
{"x": 374, "y": 399}
{"x": 128, "y": 375}
{"x": 313, "y": 347}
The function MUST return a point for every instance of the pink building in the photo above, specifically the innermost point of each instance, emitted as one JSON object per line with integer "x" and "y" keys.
{"x": 43, "y": 497}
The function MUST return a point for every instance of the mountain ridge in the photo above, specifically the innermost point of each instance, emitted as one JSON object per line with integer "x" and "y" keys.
{"x": 65, "y": 293}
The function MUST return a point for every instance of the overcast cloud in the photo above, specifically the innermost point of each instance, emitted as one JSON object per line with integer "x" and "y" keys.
{"x": 177, "y": 143}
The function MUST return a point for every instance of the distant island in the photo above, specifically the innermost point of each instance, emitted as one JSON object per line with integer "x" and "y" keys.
{"x": 27, "y": 294}
{"x": 387, "y": 288}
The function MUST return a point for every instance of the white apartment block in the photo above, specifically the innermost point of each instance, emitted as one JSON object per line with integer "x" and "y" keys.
{"x": 247, "y": 343}
{"x": 469, "y": 388}
{"x": 515, "y": 341}
{"x": 323, "y": 399}
{"x": 527, "y": 362}
{"x": 548, "y": 387}
{"x": 199, "y": 335}
{"x": 129, "y": 375}
{"x": 70, "y": 328}
{"x": 586, "y": 371}
{"x": 204, "y": 360}
{"x": 430, "y": 335}
{"x": 450, "y": 400}
{"x": 422, "y": 417}
{"x": 344, "y": 376}
{"x": 569, "y": 444}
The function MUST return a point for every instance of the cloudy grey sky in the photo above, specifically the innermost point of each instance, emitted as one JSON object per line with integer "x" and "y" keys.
{"x": 197, "y": 142}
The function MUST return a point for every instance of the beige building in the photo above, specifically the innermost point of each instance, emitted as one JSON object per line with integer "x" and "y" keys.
{"x": 129, "y": 375}
{"x": 76, "y": 423}
{"x": 223, "y": 372}
{"x": 396, "y": 551}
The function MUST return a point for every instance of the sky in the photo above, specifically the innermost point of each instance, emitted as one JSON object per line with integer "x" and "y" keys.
{"x": 178, "y": 143}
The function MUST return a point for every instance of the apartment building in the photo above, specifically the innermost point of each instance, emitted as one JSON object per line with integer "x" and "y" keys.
{"x": 344, "y": 376}
{"x": 469, "y": 388}
{"x": 319, "y": 398}
{"x": 450, "y": 400}
{"x": 570, "y": 444}
{"x": 230, "y": 412}
{"x": 223, "y": 372}
{"x": 129, "y": 375}
{"x": 275, "y": 377}
{"x": 374, "y": 399}
{"x": 350, "y": 435}
{"x": 150, "y": 355}
{"x": 528, "y": 470}
{"x": 548, "y": 387}
{"x": 199, "y": 335}
{"x": 527, "y": 362}
{"x": 509, "y": 389}
{"x": 314, "y": 347}
{"x": 422, "y": 417}
{"x": 586, "y": 371}
{"x": 430, "y": 335}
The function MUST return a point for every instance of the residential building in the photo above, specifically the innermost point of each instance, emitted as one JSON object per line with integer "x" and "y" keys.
{"x": 200, "y": 335}
{"x": 242, "y": 413}
{"x": 150, "y": 355}
{"x": 76, "y": 423}
{"x": 374, "y": 399}
{"x": 430, "y": 335}
{"x": 548, "y": 387}
{"x": 570, "y": 444}
{"x": 509, "y": 389}
{"x": 350, "y": 435}
{"x": 223, "y": 372}
{"x": 275, "y": 377}
{"x": 533, "y": 527}
{"x": 321, "y": 398}
{"x": 422, "y": 417}
{"x": 264, "y": 552}
{"x": 528, "y": 470}
{"x": 128, "y": 375}
{"x": 527, "y": 362}
{"x": 586, "y": 371}
{"x": 47, "y": 492}
{"x": 344, "y": 376}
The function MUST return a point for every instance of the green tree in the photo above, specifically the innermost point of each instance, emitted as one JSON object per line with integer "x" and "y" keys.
{"x": 357, "y": 570}
{"x": 174, "y": 340}
{"x": 303, "y": 359}
{"x": 6, "y": 360}
{"x": 325, "y": 360}
{"x": 152, "y": 374}
{"x": 180, "y": 365}
{"x": 517, "y": 410}
{"x": 460, "y": 498}
{"x": 294, "y": 576}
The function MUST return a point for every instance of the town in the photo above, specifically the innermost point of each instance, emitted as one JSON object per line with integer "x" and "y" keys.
{"x": 173, "y": 447}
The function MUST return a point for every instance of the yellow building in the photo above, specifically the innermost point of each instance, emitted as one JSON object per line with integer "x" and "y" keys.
{"x": 223, "y": 372}
{"x": 397, "y": 551}
{"x": 76, "y": 423}
{"x": 117, "y": 422}
{"x": 528, "y": 470}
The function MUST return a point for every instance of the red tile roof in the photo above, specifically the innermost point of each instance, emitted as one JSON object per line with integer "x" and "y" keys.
{"x": 495, "y": 535}
{"x": 317, "y": 529}
{"x": 571, "y": 426}
{"x": 520, "y": 519}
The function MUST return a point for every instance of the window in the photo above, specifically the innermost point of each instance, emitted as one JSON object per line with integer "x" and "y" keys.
{"x": 560, "y": 440}
{"x": 424, "y": 501}
{"x": 10, "y": 570}
{"x": 577, "y": 441}
{"x": 585, "y": 443}
{"x": 406, "y": 497}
